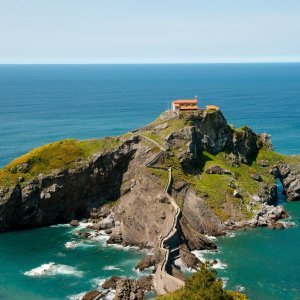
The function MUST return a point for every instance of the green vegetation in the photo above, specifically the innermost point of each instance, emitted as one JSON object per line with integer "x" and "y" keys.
{"x": 218, "y": 190}
{"x": 162, "y": 174}
{"x": 173, "y": 125}
{"x": 58, "y": 155}
{"x": 203, "y": 285}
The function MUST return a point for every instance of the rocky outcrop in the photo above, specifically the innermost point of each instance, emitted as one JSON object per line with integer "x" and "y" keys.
{"x": 200, "y": 217}
{"x": 111, "y": 283}
{"x": 267, "y": 215}
{"x": 66, "y": 194}
{"x": 93, "y": 295}
{"x": 217, "y": 170}
{"x": 188, "y": 258}
{"x": 209, "y": 131}
{"x": 128, "y": 289}
{"x": 148, "y": 261}
{"x": 290, "y": 178}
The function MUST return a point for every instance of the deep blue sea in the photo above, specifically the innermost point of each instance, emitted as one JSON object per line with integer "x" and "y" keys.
{"x": 45, "y": 103}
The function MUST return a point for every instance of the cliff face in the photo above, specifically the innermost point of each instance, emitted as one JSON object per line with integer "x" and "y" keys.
{"x": 220, "y": 174}
{"x": 289, "y": 174}
{"x": 66, "y": 194}
{"x": 209, "y": 131}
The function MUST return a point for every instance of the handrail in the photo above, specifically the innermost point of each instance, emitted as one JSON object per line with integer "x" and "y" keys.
{"x": 173, "y": 229}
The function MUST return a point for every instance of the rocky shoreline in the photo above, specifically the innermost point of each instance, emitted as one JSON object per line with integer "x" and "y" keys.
{"x": 223, "y": 180}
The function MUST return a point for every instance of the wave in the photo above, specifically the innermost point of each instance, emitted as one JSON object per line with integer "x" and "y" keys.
{"x": 211, "y": 237}
{"x": 53, "y": 269}
{"x": 200, "y": 254}
{"x": 239, "y": 288}
{"x": 60, "y": 225}
{"x": 110, "y": 268}
{"x": 287, "y": 224}
{"x": 183, "y": 267}
{"x": 110, "y": 295}
{"x": 97, "y": 282}
{"x": 230, "y": 234}
{"x": 72, "y": 244}
{"x": 224, "y": 281}
{"x": 77, "y": 296}
{"x": 219, "y": 265}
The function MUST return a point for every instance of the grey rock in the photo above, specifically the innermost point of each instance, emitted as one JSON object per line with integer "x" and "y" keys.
{"x": 263, "y": 163}
{"x": 74, "y": 223}
{"x": 256, "y": 177}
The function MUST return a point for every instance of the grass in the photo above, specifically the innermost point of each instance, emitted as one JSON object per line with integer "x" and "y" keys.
{"x": 173, "y": 125}
{"x": 58, "y": 155}
{"x": 217, "y": 188}
{"x": 162, "y": 174}
{"x": 203, "y": 285}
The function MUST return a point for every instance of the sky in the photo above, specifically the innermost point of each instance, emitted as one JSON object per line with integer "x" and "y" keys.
{"x": 143, "y": 31}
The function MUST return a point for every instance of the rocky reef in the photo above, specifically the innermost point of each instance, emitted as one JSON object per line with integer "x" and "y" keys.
{"x": 221, "y": 178}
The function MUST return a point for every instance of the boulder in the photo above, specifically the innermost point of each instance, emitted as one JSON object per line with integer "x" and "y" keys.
{"x": 74, "y": 223}
{"x": 217, "y": 170}
{"x": 179, "y": 185}
{"x": 107, "y": 223}
{"x": 116, "y": 236}
{"x": 263, "y": 163}
{"x": 147, "y": 262}
{"x": 237, "y": 194}
{"x": 279, "y": 225}
{"x": 92, "y": 295}
{"x": 128, "y": 289}
{"x": 145, "y": 283}
{"x": 256, "y": 177}
{"x": 111, "y": 283}
{"x": 188, "y": 258}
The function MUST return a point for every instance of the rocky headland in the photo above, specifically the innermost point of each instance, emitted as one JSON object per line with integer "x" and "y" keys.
{"x": 165, "y": 187}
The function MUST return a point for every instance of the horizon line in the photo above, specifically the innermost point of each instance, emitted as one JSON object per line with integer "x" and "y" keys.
{"x": 153, "y": 63}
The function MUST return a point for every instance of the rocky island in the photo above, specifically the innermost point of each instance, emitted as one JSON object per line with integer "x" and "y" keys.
{"x": 165, "y": 187}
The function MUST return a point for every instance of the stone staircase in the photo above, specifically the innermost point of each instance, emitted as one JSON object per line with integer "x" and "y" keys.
{"x": 169, "y": 244}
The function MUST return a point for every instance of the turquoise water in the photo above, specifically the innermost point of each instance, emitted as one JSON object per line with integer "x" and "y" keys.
{"x": 23, "y": 254}
{"x": 40, "y": 104}
{"x": 265, "y": 262}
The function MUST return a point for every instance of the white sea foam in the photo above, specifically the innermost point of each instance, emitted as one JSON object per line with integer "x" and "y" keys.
{"x": 211, "y": 237}
{"x": 147, "y": 271}
{"x": 72, "y": 244}
{"x": 183, "y": 267}
{"x": 77, "y": 296}
{"x": 102, "y": 237}
{"x": 224, "y": 281}
{"x": 201, "y": 253}
{"x": 97, "y": 282}
{"x": 216, "y": 263}
{"x": 239, "y": 288}
{"x": 60, "y": 225}
{"x": 81, "y": 244}
{"x": 110, "y": 295}
{"x": 110, "y": 268}
{"x": 52, "y": 269}
{"x": 219, "y": 265}
{"x": 288, "y": 223}
{"x": 230, "y": 234}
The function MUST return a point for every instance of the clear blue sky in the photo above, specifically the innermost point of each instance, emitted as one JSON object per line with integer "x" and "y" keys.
{"x": 149, "y": 31}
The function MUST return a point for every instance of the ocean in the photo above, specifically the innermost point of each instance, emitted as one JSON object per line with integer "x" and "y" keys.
{"x": 44, "y": 103}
